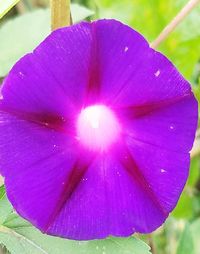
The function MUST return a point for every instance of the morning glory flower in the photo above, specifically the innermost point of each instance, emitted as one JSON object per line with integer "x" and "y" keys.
{"x": 95, "y": 133}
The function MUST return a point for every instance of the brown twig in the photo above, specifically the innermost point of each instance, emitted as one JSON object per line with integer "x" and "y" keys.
{"x": 60, "y": 13}
{"x": 198, "y": 133}
{"x": 175, "y": 22}
{"x": 196, "y": 149}
{"x": 1, "y": 181}
{"x": 151, "y": 244}
{"x": 3, "y": 250}
{"x": 21, "y": 8}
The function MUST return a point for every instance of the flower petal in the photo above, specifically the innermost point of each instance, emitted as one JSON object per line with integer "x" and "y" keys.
{"x": 118, "y": 50}
{"x": 172, "y": 127}
{"x": 52, "y": 79}
{"x": 131, "y": 73}
{"x": 165, "y": 171}
{"x": 73, "y": 193}
{"x": 156, "y": 81}
{"x": 108, "y": 201}
{"x": 36, "y": 162}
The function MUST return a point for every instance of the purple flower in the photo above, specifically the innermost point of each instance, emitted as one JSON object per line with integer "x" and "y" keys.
{"x": 95, "y": 133}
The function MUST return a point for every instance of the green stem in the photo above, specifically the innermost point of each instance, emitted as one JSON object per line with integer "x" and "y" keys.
{"x": 60, "y": 14}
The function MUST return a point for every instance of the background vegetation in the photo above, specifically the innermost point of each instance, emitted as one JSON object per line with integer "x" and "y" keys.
{"x": 25, "y": 26}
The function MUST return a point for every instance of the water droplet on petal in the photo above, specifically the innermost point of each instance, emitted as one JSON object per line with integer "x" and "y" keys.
{"x": 157, "y": 73}
{"x": 126, "y": 49}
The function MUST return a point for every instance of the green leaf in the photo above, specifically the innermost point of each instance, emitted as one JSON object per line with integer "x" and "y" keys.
{"x": 196, "y": 90}
{"x": 184, "y": 208}
{"x": 27, "y": 31}
{"x": 2, "y": 192}
{"x": 185, "y": 244}
{"x": 26, "y": 239}
{"x": 194, "y": 172}
{"x": 80, "y": 12}
{"x": 5, "y": 207}
{"x": 195, "y": 232}
{"x": 6, "y": 5}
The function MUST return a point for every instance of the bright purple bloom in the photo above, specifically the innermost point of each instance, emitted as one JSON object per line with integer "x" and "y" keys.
{"x": 95, "y": 133}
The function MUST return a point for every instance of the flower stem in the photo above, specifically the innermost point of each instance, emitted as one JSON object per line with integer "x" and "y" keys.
{"x": 175, "y": 22}
{"x": 60, "y": 14}
{"x": 21, "y": 8}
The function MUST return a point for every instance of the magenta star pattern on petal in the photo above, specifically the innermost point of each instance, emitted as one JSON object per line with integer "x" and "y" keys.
{"x": 95, "y": 133}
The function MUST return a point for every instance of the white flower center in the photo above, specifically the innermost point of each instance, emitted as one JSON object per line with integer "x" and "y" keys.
{"x": 97, "y": 127}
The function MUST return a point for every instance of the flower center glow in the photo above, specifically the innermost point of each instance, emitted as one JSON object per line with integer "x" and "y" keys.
{"x": 97, "y": 127}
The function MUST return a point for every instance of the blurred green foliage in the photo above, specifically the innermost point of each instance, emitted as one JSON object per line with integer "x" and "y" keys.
{"x": 22, "y": 29}
{"x": 26, "y": 39}
{"x": 149, "y": 17}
